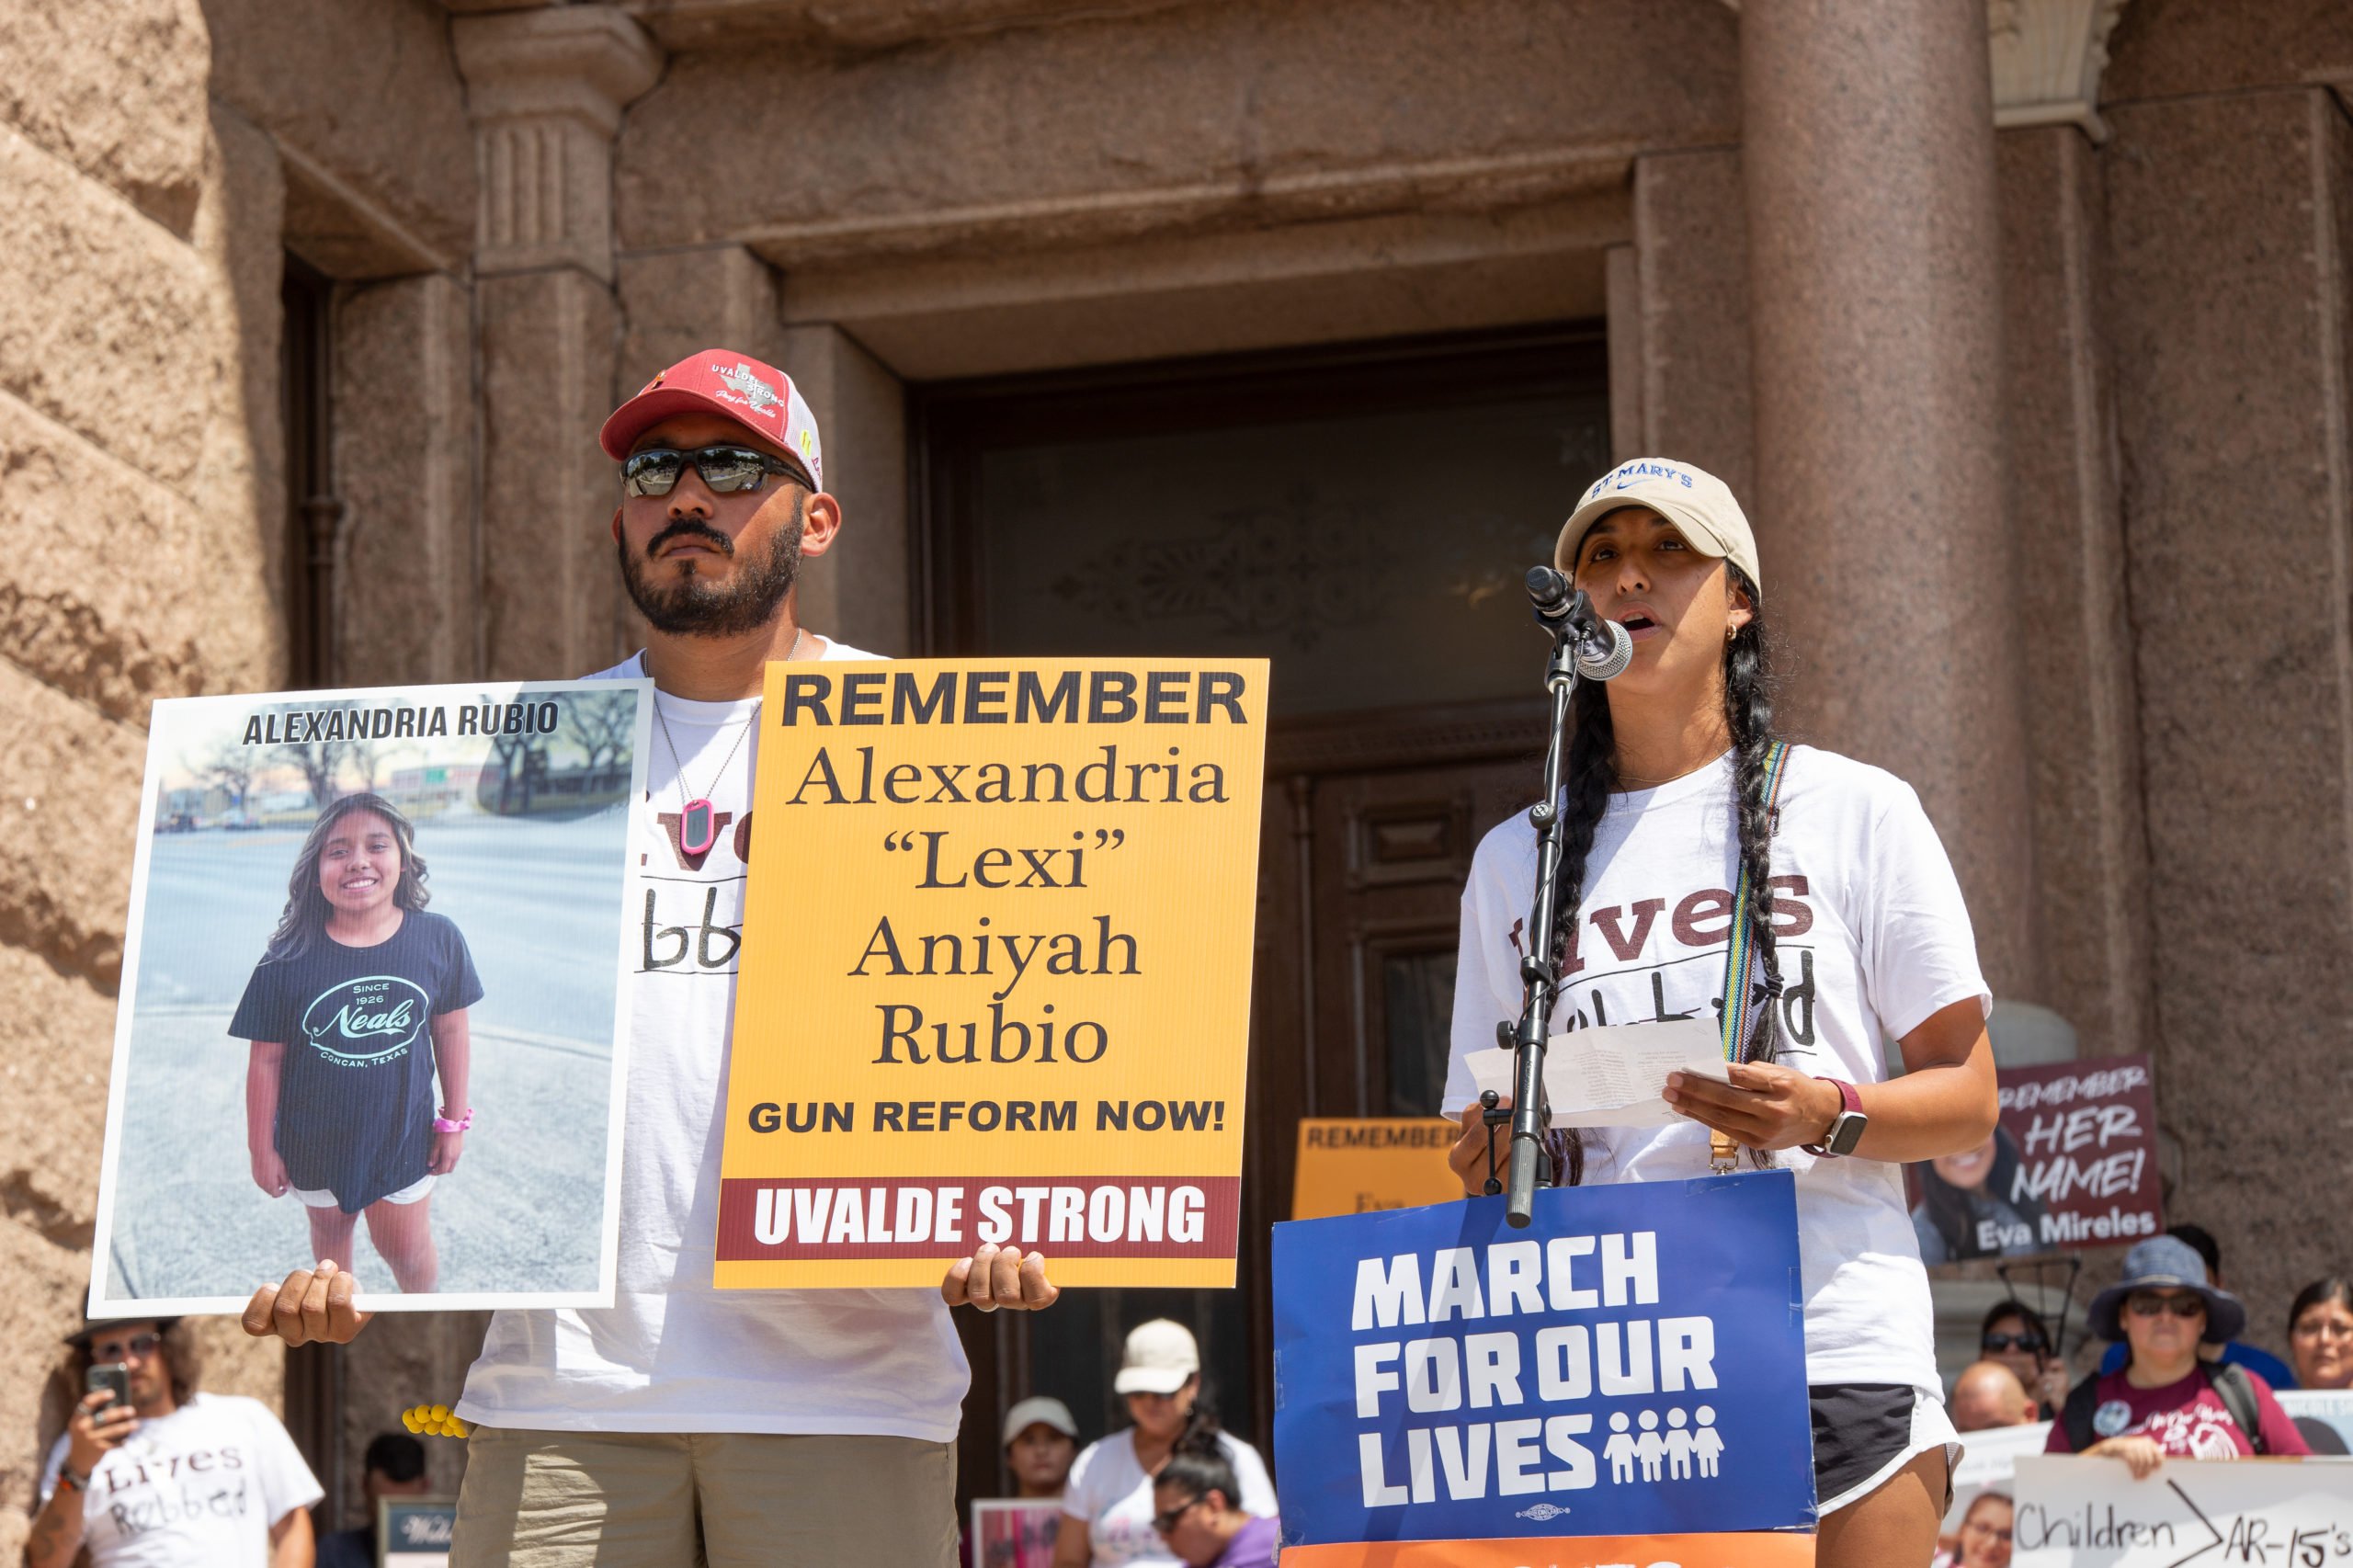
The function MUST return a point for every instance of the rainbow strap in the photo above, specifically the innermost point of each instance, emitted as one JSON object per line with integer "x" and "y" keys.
{"x": 1741, "y": 954}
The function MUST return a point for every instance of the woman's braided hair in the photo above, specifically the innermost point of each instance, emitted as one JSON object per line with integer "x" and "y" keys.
{"x": 1592, "y": 769}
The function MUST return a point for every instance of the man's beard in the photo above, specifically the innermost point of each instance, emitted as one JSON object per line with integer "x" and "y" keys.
{"x": 689, "y": 605}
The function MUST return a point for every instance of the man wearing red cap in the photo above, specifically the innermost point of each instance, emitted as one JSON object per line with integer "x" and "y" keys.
{"x": 685, "y": 1424}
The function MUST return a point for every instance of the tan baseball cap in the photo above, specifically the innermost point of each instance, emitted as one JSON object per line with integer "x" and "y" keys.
{"x": 1160, "y": 1356}
{"x": 1699, "y": 504}
{"x": 1039, "y": 1409}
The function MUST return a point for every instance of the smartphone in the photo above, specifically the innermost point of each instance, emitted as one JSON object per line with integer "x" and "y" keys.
{"x": 113, "y": 1377}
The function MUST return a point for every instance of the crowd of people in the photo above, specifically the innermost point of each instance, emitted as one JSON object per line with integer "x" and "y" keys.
{"x": 684, "y": 1422}
{"x": 2174, "y": 1381}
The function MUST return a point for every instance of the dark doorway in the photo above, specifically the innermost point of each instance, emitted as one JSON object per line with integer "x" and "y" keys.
{"x": 1362, "y": 516}
{"x": 313, "y": 511}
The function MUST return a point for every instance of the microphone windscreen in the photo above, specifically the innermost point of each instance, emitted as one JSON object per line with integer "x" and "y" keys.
{"x": 1611, "y": 665}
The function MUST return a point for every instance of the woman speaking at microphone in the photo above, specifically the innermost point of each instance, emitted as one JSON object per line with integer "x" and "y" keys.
{"x": 1676, "y": 790}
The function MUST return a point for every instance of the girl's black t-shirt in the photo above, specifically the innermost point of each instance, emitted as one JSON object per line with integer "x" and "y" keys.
{"x": 355, "y": 1097}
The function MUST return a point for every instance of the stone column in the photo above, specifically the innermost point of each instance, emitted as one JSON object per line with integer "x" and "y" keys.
{"x": 859, "y": 590}
{"x": 1868, "y": 160}
{"x": 407, "y": 582}
{"x": 2229, "y": 298}
{"x": 545, "y": 91}
{"x": 2090, "y": 837}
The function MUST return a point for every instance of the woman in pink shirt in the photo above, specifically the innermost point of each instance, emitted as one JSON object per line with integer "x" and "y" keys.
{"x": 2167, "y": 1402}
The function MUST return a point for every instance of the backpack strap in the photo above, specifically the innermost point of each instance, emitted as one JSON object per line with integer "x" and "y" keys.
{"x": 2076, "y": 1419}
{"x": 2236, "y": 1391}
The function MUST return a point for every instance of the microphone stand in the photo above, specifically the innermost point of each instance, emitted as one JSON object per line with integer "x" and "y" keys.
{"x": 1529, "y": 1165}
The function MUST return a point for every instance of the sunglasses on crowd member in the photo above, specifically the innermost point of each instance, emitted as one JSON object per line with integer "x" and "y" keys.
{"x": 725, "y": 469}
{"x": 1166, "y": 1522}
{"x": 1996, "y": 1344}
{"x": 2146, "y": 1305}
{"x": 140, "y": 1345}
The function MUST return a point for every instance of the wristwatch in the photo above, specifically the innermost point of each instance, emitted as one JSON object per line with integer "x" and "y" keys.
{"x": 1846, "y": 1127}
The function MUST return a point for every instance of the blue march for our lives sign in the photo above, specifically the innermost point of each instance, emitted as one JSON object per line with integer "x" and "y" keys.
{"x": 1633, "y": 1363}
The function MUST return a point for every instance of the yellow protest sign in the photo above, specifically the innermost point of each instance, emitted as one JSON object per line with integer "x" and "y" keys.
{"x": 995, "y": 975}
{"x": 1354, "y": 1165}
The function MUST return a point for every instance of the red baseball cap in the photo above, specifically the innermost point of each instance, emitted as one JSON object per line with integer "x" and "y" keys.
{"x": 759, "y": 397}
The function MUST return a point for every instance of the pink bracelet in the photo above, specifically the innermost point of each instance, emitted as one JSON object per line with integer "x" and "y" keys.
{"x": 443, "y": 1124}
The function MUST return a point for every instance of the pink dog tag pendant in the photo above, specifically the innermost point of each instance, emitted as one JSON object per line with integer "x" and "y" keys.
{"x": 697, "y": 827}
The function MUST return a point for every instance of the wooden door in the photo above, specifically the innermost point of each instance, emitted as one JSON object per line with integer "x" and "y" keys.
{"x": 1282, "y": 507}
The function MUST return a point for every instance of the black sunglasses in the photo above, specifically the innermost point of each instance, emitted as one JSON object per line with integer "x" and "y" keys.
{"x": 1997, "y": 1343}
{"x": 140, "y": 1345}
{"x": 726, "y": 469}
{"x": 2148, "y": 1306}
{"x": 1165, "y": 1522}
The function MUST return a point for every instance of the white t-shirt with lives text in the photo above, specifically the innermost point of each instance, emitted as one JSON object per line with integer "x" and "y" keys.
{"x": 1109, "y": 1489}
{"x": 1872, "y": 938}
{"x": 674, "y": 1354}
{"x": 198, "y": 1488}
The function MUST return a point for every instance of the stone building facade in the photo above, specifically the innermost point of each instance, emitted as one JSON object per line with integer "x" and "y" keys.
{"x": 2022, "y": 325}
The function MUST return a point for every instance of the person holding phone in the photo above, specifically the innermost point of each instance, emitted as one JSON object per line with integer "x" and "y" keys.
{"x": 150, "y": 1471}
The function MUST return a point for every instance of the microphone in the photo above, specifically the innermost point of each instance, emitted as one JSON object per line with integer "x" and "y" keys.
{"x": 1602, "y": 648}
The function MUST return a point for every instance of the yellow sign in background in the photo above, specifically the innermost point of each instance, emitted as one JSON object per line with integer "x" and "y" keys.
{"x": 995, "y": 975}
{"x": 1355, "y": 1165}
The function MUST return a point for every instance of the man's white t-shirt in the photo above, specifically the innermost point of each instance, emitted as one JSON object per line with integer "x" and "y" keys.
{"x": 1872, "y": 938}
{"x": 673, "y": 1354}
{"x": 1109, "y": 1489}
{"x": 198, "y": 1488}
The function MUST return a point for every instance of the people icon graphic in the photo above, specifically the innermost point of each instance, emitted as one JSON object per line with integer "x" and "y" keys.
{"x": 1649, "y": 1447}
{"x": 1620, "y": 1449}
{"x": 1667, "y": 1456}
{"x": 1708, "y": 1443}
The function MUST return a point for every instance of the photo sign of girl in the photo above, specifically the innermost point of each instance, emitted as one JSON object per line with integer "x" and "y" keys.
{"x": 374, "y": 1003}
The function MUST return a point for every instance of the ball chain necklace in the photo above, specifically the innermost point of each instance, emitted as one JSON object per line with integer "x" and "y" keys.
{"x": 698, "y": 818}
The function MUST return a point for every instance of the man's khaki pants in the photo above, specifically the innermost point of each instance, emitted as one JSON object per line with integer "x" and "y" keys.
{"x": 728, "y": 1500}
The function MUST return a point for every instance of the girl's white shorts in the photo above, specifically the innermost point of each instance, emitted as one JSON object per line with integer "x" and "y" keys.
{"x": 408, "y": 1194}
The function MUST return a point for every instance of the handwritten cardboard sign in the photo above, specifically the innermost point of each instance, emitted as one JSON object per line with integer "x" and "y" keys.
{"x": 1986, "y": 1463}
{"x": 996, "y": 980}
{"x": 2089, "y": 1513}
{"x": 2073, "y": 1163}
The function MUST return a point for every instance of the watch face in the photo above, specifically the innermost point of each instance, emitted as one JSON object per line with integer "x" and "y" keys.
{"x": 1847, "y": 1131}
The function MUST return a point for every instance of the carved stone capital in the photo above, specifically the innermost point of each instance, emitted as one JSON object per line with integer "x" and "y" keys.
{"x": 2047, "y": 57}
{"x": 545, "y": 90}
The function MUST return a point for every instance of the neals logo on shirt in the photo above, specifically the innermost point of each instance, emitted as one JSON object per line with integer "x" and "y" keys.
{"x": 364, "y": 1022}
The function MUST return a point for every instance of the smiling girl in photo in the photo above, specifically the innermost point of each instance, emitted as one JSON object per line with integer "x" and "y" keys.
{"x": 358, "y": 1001}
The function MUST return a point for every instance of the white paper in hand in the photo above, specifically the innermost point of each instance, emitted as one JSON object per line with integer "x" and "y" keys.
{"x": 1613, "y": 1076}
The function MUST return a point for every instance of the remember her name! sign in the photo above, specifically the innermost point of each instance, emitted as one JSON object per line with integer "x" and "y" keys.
{"x": 999, "y": 991}
{"x": 1631, "y": 1364}
{"x": 2071, "y": 1164}
{"x": 2074, "y": 1512}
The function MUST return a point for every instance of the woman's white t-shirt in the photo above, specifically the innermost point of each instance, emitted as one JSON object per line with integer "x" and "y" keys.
{"x": 1872, "y": 938}
{"x": 1111, "y": 1492}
